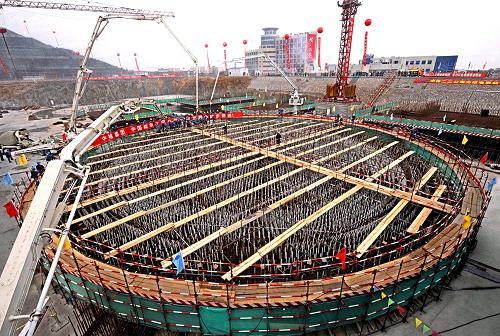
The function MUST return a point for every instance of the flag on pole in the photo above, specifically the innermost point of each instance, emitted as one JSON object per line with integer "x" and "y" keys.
{"x": 222, "y": 107}
{"x": 178, "y": 261}
{"x": 136, "y": 117}
{"x": 467, "y": 221}
{"x": 342, "y": 256}
{"x": 383, "y": 295}
{"x": 277, "y": 105}
{"x": 7, "y": 179}
{"x": 392, "y": 116}
{"x": 425, "y": 329}
{"x": 23, "y": 160}
{"x": 440, "y": 131}
{"x": 484, "y": 65}
{"x": 435, "y": 333}
{"x": 444, "y": 118}
{"x": 401, "y": 310}
{"x": 375, "y": 289}
{"x": 464, "y": 140}
{"x": 67, "y": 243}
{"x": 484, "y": 158}
{"x": 418, "y": 322}
{"x": 470, "y": 63}
{"x": 11, "y": 209}
{"x": 390, "y": 302}
{"x": 492, "y": 183}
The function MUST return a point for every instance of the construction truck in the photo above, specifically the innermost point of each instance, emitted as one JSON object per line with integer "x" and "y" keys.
{"x": 15, "y": 139}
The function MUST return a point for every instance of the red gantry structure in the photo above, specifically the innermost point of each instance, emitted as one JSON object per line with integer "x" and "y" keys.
{"x": 349, "y": 10}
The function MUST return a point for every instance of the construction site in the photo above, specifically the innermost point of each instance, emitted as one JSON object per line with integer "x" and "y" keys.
{"x": 199, "y": 204}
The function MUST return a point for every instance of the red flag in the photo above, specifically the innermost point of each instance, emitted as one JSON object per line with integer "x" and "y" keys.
{"x": 435, "y": 333}
{"x": 401, "y": 310}
{"x": 64, "y": 137}
{"x": 342, "y": 256}
{"x": 11, "y": 209}
{"x": 484, "y": 158}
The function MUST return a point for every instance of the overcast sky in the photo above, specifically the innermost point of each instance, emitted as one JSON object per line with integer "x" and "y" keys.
{"x": 399, "y": 28}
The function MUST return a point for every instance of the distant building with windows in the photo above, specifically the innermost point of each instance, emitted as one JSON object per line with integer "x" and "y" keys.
{"x": 303, "y": 53}
{"x": 260, "y": 66}
{"x": 424, "y": 63}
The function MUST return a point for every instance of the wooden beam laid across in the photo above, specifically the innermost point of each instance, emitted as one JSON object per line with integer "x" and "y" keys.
{"x": 176, "y": 201}
{"x": 370, "y": 239}
{"x": 149, "y": 184}
{"x": 341, "y": 176}
{"x": 280, "y": 239}
{"x": 268, "y": 209}
{"x": 425, "y": 212}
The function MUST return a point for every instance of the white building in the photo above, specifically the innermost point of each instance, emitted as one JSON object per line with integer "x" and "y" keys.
{"x": 424, "y": 63}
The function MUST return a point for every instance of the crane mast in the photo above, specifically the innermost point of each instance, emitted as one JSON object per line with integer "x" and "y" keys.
{"x": 349, "y": 10}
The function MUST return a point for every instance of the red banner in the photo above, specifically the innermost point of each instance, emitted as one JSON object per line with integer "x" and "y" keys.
{"x": 480, "y": 74}
{"x": 311, "y": 48}
{"x": 457, "y": 81}
{"x": 110, "y": 136}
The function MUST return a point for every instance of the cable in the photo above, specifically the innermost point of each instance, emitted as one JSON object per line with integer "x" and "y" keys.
{"x": 463, "y": 325}
{"x": 473, "y": 288}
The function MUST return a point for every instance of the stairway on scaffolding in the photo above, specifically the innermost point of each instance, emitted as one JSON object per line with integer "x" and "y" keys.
{"x": 386, "y": 84}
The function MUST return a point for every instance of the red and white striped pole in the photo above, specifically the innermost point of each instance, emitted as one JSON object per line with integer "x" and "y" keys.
{"x": 287, "y": 37}
{"x": 136, "y": 63}
{"x": 368, "y": 22}
{"x": 225, "y": 53}
{"x": 208, "y": 58}
{"x": 320, "y": 30}
{"x": 245, "y": 52}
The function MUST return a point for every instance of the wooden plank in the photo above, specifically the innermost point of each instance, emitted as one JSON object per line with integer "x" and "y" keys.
{"x": 259, "y": 214}
{"x": 277, "y": 241}
{"x": 341, "y": 176}
{"x": 176, "y": 201}
{"x": 389, "y": 218}
{"x": 192, "y": 171}
{"x": 425, "y": 212}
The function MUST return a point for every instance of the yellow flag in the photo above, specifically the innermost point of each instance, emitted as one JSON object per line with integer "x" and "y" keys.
{"x": 417, "y": 322}
{"x": 263, "y": 104}
{"x": 464, "y": 140}
{"x": 136, "y": 117}
{"x": 253, "y": 104}
{"x": 467, "y": 221}
{"x": 277, "y": 105}
{"x": 67, "y": 243}
{"x": 222, "y": 107}
{"x": 383, "y": 295}
{"x": 23, "y": 160}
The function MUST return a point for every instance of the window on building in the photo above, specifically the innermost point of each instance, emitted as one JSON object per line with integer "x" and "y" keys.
{"x": 417, "y": 62}
{"x": 429, "y": 62}
{"x": 396, "y": 62}
{"x": 411, "y": 62}
{"x": 406, "y": 62}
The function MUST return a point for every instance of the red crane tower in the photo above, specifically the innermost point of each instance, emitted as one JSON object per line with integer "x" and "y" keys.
{"x": 341, "y": 91}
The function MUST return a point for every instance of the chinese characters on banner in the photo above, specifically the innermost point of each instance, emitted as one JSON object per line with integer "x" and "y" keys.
{"x": 110, "y": 136}
{"x": 311, "y": 48}
{"x": 481, "y": 74}
{"x": 457, "y": 81}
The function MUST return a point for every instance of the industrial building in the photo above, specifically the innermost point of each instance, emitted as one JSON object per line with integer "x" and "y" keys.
{"x": 403, "y": 63}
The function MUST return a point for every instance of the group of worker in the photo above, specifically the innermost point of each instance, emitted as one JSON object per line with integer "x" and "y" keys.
{"x": 6, "y": 153}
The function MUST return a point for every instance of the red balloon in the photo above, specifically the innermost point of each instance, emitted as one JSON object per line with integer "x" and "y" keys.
{"x": 287, "y": 36}
{"x": 224, "y": 44}
{"x": 206, "y": 45}
{"x": 368, "y": 22}
{"x": 320, "y": 30}
{"x": 245, "y": 42}
{"x": 3, "y": 30}
{"x": 77, "y": 53}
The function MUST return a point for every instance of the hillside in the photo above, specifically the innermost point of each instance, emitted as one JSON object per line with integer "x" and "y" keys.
{"x": 34, "y": 58}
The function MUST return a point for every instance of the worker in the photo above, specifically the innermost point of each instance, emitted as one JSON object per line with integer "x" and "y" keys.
{"x": 34, "y": 173}
{"x": 40, "y": 168}
{"x": 2, "y": 154}
{"x": 353, "y": 118}
{"x": 50, "y": 156}
{"x": 8, "y": 155}
{"x": 225, "y": 129}
{"x": 278, "y": 138}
